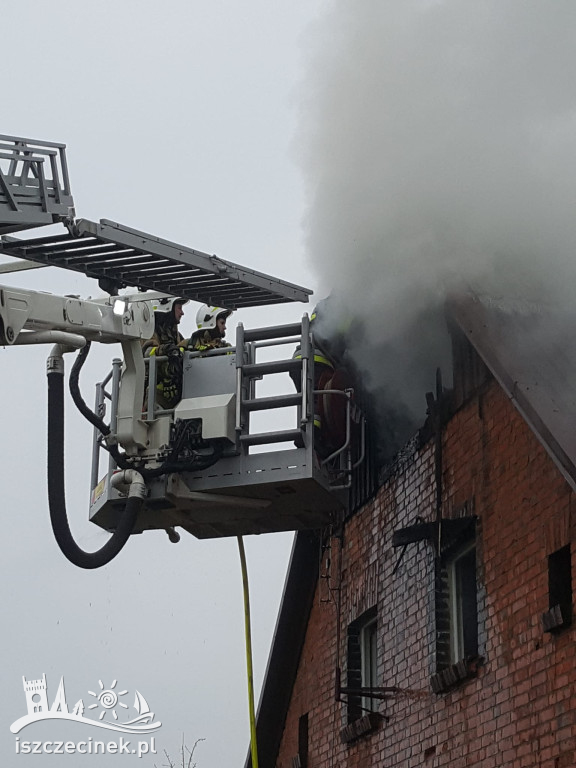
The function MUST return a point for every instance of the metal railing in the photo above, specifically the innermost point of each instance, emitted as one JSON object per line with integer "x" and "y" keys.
{"x": 342, "y": 460}
{"x": 34, "y": 183}
{"x": 102, "y": 395}
{"x": 249, "y": 370}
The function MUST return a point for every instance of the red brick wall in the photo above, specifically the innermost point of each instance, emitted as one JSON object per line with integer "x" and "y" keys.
{"x": 521, "y": 709}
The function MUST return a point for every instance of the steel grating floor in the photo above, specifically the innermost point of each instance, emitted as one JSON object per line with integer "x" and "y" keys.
{"x": 119, "y": 256}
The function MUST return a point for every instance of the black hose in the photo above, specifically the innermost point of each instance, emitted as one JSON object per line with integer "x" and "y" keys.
{"x": 92, "y": 417}
{"x": 74, "y": 385}
{"x": 56, "y": 490}
{"x": 197, "y": 464}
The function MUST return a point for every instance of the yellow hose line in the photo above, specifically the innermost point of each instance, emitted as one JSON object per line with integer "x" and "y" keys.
{"x": 252, "y": 712}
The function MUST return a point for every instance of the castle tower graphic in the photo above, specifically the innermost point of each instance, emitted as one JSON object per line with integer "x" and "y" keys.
{"x": 36, "y": 696}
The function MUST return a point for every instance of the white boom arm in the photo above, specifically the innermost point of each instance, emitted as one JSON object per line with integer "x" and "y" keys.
{"x": 108, "y": 320}
{"x": 33, "y": 317}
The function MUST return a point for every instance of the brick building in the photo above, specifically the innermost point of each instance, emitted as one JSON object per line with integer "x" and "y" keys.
{"x": 433, "y": 626}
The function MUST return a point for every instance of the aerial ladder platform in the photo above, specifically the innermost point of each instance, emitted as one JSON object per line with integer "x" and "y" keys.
{"x": 204, "y": 466}
{"x": 35, "y": 192}
{"x": 288, "y": 486}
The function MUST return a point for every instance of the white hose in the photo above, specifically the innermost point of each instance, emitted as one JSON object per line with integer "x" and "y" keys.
{"x": 131, "y": 479}
{"x": 61, "y": 338}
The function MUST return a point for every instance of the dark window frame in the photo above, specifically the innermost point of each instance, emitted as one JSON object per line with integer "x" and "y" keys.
{"x": 463, "y": 609}
{"x": 560, "y": 597}
{"x": 303, "y": 740}
{"x": 355, "y": 670}
{"x": 457, "y": 611}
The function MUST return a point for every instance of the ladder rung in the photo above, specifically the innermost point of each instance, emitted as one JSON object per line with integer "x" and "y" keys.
{"x": 277, "y": 401}
{"x": 265, "y": 438}
{"x": 275, "y": 366}
{"x": 274, "y": 332}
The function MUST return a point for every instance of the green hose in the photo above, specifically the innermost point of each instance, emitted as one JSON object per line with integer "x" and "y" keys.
{"x": 250, "y": 673}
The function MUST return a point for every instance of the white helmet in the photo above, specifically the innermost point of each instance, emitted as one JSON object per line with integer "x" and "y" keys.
{"x": 206, "y": 316}
{"x": 166, "y": 303}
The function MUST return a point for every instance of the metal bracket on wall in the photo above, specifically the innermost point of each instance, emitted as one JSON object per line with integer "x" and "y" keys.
{"x": 453, "y": 530}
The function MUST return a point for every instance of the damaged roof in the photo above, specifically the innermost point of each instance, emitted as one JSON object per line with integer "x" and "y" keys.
{"x": 530, "y": 349}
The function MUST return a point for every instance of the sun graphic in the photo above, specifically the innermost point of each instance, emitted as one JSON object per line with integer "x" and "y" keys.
{"x": 108, "y": 699}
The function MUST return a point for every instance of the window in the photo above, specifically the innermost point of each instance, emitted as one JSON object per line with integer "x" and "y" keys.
{"x": 368, "y": 657}
{"x": 301, "y": 759}
{"x": 559, "y": 614}
{"x": 457, "y": 633}
{"x": 463, "y": 604}
{"x": 361, "y": 672}
{"x": 362, "y": 709}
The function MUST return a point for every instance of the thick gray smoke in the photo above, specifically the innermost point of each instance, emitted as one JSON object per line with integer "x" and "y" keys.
{"x": 438, "y": 142}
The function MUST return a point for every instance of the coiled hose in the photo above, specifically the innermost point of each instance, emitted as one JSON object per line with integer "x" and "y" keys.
{"x": 57, "y": 496}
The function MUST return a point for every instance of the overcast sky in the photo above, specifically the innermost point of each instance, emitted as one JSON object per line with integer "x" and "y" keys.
{"x": 179, "y": 119}
{"x": 387, "y": 149}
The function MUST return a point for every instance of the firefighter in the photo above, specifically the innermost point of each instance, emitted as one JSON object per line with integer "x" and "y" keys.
{"x": 167, "y": 342}
{"x": 211, "y": 324}
{"x": 323, "y": 371}
{"x": 330, "y": 352}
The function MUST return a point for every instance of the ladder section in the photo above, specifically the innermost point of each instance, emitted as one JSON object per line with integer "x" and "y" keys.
{"x": 119, "y": 256}
{"x": 280, "y": 341}
{"x": 34, "y": 184}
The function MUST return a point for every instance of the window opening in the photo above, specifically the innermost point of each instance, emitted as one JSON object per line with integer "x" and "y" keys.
{"x": 463, "y": 604}
{"x": 456, "y": 608}
{"x": 303, "y": 741}
{"x": 368, "y": 659}
{"x": 559, "y": 614}
{"x": 361, "y": 666}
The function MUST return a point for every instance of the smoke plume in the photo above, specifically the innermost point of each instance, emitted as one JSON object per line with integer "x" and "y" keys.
{"x": 438, "y": 144}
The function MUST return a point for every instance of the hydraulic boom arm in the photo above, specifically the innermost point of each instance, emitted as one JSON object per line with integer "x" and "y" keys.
{"x": 26, "y": 316}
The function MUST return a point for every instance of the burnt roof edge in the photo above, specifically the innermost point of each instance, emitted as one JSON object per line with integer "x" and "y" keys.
{"x": 461, "y": 311}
